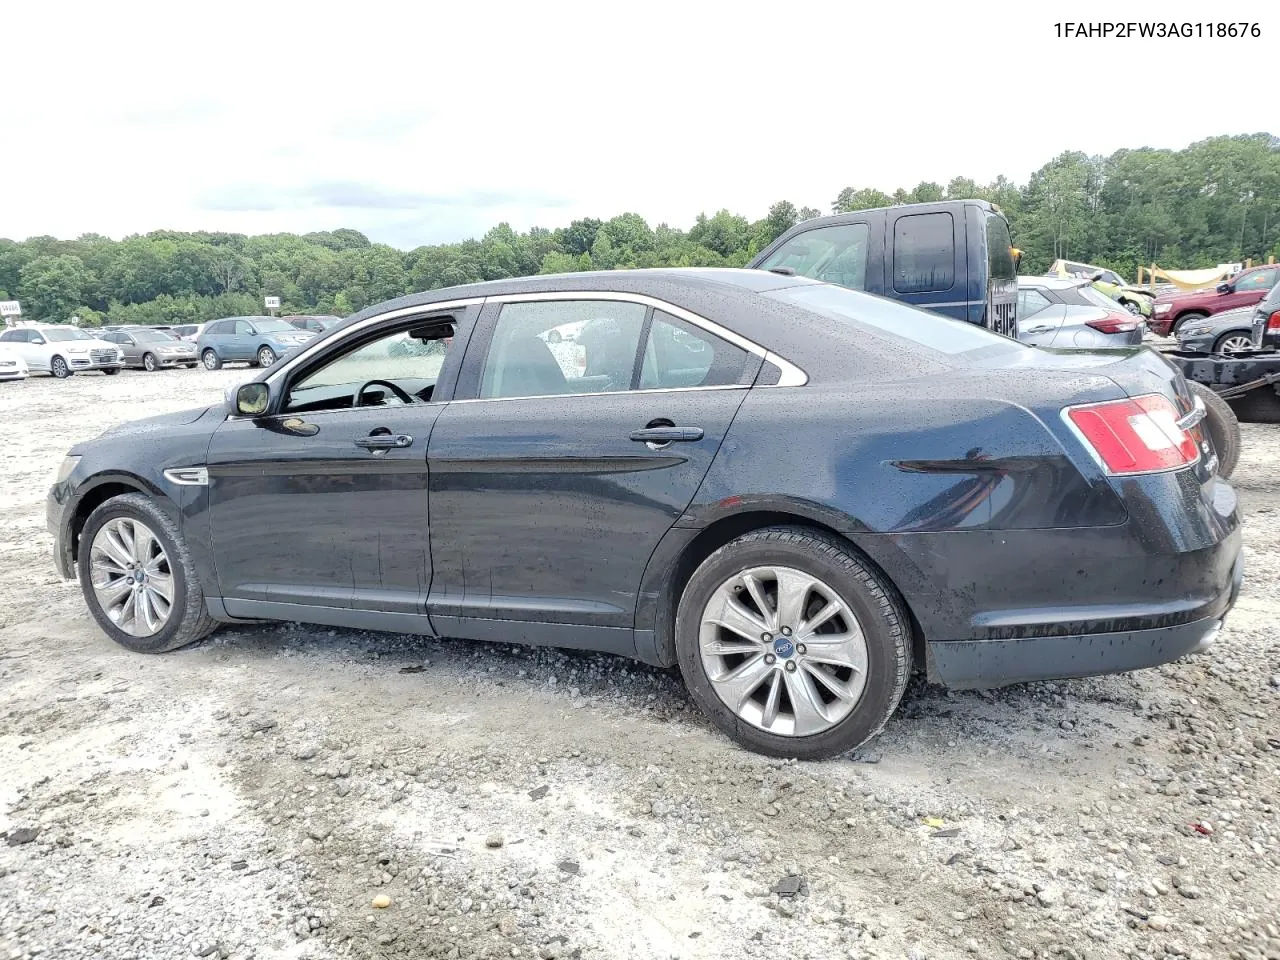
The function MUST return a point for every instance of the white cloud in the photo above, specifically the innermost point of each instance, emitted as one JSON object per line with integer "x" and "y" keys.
{"x": 428, "y": 122}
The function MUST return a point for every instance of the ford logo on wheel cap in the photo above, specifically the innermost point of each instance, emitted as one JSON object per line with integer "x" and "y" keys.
{"x": 783, "y": 647}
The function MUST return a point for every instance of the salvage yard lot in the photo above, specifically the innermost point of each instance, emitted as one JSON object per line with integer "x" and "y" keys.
{"x": 250, "y": 796}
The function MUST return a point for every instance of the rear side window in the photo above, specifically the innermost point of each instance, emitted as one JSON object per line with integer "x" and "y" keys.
{"x": 833, "y": 254}
{"x": 678, "y": 354}
{"x": 924, "y": 253}
{"x": 931, "y": 330}
{"x": 1262, "y": 280}
{"x": 1000, "y": 251}
{"x": 1030, "y": 302}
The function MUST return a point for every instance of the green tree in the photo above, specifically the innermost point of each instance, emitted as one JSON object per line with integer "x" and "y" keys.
{"x": 51, "y": 288}
{"x": 850, "y": 200}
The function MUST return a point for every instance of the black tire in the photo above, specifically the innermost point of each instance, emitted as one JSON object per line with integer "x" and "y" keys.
{"x": 111, "y": 371}
{"x": 1222, "y": 426}
{"x": 149, "y": 363}
{"x": 1260, "y": 405}
{"x": 210, "y": 360}
{"x": 875, "y": 602}
{"x": 189, "y": 618}
{"x": 265, "y": 356}
{"x": 1186, "y": 318}
{"x": 58, "y": 367}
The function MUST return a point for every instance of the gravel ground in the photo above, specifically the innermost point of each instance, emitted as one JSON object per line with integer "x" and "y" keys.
{"x": 253, "y": 795}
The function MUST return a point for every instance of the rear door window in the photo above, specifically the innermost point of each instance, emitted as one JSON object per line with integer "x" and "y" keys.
{"x": 924, "y": 253}
{"x": 834, "y": 254}
{"x": 1030, "y": 302}
{"x": 678, "y": 354}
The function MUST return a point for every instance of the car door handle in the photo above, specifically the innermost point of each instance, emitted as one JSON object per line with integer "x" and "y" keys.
{"x": 385, "y": 441}
{"x": 1037, "y": 329}
{"x": 667, "y": 434}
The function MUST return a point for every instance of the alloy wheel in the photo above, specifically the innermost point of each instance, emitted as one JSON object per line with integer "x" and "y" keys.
{"x": 149, "y": 362}
{"x": 59, "y": 368}
{"x": 266, "y": 357}
{"x": 783, "y": 650}
{"x": 131, "y": 575}
{"x": 210, "y": 360}
{"x": 1235, "y": 344}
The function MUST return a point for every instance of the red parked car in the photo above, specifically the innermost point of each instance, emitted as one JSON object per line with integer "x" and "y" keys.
{"x": 1243, "y": 290}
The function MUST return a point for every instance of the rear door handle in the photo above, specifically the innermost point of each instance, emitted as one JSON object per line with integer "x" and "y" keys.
{"x": 667, "y": 434}
{"x": 384, "y": 441}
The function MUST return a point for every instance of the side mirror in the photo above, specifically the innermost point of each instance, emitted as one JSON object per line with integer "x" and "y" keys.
{"x": 38, "y": 340}
{"x": 252, "y": 399}
{"x": 1224, "y": 288}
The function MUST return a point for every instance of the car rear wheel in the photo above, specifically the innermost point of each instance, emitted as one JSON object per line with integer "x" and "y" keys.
{"x": 792, "y": 644}
{"x": 58, "y": 367}
{"x": 266, "y": 357}
{"x": 149, "y": 363}
{"x": 1233, "y": 342}
{"x": 137, "y": 577}
{"x": 210, "y": 360}
{"x": 1222, "y": 426}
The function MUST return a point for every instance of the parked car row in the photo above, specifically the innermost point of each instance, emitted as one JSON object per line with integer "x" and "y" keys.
{"x": 61, "y": 350}
{"x": 1237, "y": 331}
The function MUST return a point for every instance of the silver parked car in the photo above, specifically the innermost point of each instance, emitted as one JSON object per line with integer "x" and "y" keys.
{"x": 1070, "y": 312}
{"x": 1228, "y": 332}
{"x": 150, "y": 349}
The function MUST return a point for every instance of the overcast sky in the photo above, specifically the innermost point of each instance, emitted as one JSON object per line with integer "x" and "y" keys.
{"x": 429, "y": 122}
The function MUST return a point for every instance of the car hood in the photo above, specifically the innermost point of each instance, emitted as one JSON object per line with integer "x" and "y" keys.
{"x": 161, "y": 424}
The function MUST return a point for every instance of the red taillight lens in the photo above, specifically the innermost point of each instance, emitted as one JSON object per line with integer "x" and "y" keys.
{"x": 1115, "y": 323}
{"x": 1274, "y": 323}
{"x": 1138, "y": 435}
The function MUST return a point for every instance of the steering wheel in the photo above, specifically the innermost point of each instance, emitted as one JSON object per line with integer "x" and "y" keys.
{"x": 401, "y": 395}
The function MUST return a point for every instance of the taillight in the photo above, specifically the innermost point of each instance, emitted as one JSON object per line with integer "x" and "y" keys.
{"x": 1274, "y": 323}
{"x": 1115, "y": 323}
{"x": 1137, "y": 435}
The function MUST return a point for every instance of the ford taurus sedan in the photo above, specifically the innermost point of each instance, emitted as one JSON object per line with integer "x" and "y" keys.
{"x": 793, "y": 491}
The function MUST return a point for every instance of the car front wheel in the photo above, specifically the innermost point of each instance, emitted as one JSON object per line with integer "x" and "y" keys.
{"x": 149, "y": 363}
{"x": 266, "y": 357}
{"x": 210, "y": 360}
{"x": 137, "y": 577}
{"x": 792, "y": 644}
{"x": 58, "y": 367}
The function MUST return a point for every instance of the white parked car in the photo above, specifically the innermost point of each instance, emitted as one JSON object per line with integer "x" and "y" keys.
{"x": 62, "y": 350}
{"x": 12, "y": 366}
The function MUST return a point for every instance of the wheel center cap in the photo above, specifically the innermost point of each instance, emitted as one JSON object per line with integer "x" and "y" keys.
{"x": 138, "y": 575}
{"x": 783, "y": 647}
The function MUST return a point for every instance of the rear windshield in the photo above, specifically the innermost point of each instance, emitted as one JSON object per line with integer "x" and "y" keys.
{"x": 1097, "y": 297}
{"x": 999, "y": 249}
{"x": 930, "y": 330}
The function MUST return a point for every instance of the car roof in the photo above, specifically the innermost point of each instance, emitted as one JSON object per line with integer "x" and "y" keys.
{"x": 1051, "y": 283}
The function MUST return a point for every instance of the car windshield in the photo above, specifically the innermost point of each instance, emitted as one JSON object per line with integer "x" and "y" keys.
{"x": 1097, "y": 297}
{"x": 151, "y": 336}
{"x": 272, "y": 325}
{"x": 64, "y": 333}
{"x": 930, "y": 330}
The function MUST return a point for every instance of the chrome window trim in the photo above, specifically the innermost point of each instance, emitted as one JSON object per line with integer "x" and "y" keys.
{"x": 791, "y": 375}
{"x": 604, "y": 393}
{"x": 283, "y": 369}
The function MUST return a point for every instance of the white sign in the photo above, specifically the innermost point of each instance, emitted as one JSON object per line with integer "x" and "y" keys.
{"x": 273, "y": 303}
{"x": 10, "y": 308}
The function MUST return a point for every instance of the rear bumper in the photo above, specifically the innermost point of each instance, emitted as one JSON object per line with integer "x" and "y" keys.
{"x": 983, "y": 664}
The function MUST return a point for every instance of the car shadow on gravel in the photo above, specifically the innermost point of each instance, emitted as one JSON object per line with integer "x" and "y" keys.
{"x": 1027, "y": 719}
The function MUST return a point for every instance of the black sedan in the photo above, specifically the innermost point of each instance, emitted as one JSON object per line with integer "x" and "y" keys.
{"x": 792, "y": 490}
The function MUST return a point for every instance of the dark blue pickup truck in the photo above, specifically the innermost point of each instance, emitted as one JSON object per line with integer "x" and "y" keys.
{"x": 953, "y": 257}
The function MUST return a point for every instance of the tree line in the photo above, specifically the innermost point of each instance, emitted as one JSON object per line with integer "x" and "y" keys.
{"x": 1215, "y": 201}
